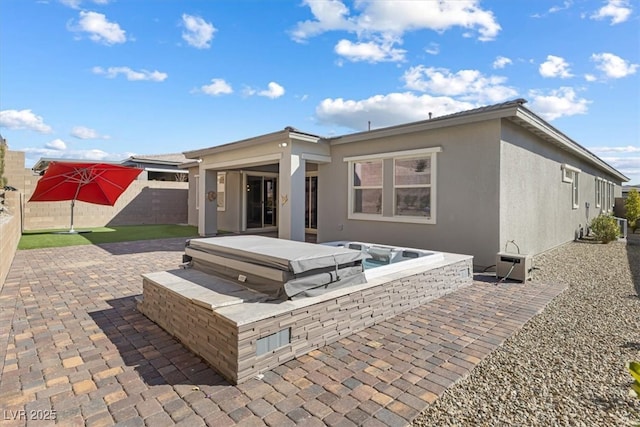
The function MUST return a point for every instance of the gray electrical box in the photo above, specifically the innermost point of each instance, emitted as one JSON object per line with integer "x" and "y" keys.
{"x": 513, "y": 266}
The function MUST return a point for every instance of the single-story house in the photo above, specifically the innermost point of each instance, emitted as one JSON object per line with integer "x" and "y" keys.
{"x": 472, "y": 182}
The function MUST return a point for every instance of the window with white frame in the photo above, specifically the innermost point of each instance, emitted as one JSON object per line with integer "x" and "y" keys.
{"x": 396, "y": 186}
{"x": 612, "y": 199}
{"x": 598, "y": 187}
{"x": 366, "y": 184}
{"x": 197, "y": 189}
{"x": 412, "y": 186}
{"x": 570, "y": 175}
{"x": 220, "y": 197}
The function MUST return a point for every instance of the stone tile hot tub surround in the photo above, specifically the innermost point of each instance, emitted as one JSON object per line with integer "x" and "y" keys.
{"x": 222, "y": 321}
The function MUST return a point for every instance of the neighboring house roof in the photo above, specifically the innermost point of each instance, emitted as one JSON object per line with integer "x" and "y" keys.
{"x": 172, "y": 158}
{"x": 150, "y": 162}
{"x": 43, "y": 163}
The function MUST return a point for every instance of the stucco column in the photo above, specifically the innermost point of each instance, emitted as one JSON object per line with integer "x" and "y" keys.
{"x": 291, "y": 197}
{"x": 208, "y": 212}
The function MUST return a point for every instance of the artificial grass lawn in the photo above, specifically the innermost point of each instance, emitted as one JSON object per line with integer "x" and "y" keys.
{"x": 49, "y": 238}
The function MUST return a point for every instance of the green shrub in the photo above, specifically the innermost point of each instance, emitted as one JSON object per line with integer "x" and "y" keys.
{"x": 632, "y": 206}
{"x": 605, "y": 228}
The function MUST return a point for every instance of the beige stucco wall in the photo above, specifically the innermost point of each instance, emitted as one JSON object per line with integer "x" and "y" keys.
{"x": 536, "y": 209}
{"x": 467, "y": 193}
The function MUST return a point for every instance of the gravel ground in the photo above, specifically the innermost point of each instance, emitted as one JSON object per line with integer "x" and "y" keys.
{"x": 566, "y": 367}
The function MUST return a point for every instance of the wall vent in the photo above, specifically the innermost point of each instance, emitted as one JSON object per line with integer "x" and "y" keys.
{"x": 273, "y": 342}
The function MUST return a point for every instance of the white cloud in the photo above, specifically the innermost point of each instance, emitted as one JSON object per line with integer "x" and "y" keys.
{"x": 23, "y": 119}
{"x": 469, "y": 85}
{"x": 374, "y": 22}
{"x": 56, "y": 144}
{"x": 100, "y": 30}
{"x": 75, "y": 4}
{"x": 618, "y": 10}
{"x": 82, "y": 132}
{"x": 566, "y": 5}
{"x": 198, "y": 32}
{"x": 558, "y": 103}
{"x": 627, "y": 165}
{"x": 369, "y": 51}
{"x": 385, "y": 110}
{"x": 590, "y": 77}
{"x": 501, "y": 62}
{"x": 217, "y": 87}
{"x": 132, "y": 75}
{"x": 555, "y": 66}
{"x": 329, "y": 15}
{"x": 625, "y": 149}
{"x": 613, "y": 66}
{"x": 274, "y": 91}
{"x": 433, "y": 48}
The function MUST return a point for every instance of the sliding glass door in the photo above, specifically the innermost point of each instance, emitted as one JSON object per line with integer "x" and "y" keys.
{"x": 261, "y": 206}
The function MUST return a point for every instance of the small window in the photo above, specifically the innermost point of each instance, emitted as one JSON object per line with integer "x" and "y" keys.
{"x": 570, "y": 175}
{"x": 598, "y": 192}
{"x": 576, "y": 190}
{"x": 367, "y": 187}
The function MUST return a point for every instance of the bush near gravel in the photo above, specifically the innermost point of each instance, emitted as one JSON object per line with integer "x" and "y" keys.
{"x": 605, "y": 228}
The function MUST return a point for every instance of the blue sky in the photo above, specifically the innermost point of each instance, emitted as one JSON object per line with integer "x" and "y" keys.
{"x": 106, "y": 79}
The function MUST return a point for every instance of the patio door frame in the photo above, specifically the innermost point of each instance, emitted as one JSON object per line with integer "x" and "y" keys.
{"x": 308, "y": 196}
{"x": 245, "y": 202}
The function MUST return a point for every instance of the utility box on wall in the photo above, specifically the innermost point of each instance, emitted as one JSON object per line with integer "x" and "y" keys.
{"x": 513, "y": 266}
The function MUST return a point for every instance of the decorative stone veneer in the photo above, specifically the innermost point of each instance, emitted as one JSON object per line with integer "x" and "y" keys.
{"x": 222, "y": 324}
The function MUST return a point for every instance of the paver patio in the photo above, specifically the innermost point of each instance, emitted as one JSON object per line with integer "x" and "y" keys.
{"x": 72, "y": 341}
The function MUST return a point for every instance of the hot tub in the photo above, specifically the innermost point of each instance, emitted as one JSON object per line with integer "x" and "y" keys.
{"x": 380, "y": 260}
{"x": 221, "y": 303}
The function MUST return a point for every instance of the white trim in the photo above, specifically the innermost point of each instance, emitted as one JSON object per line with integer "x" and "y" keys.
{"x": 394, "y": 154}
{"x": 196, "y": 184}
{"x": 567, "y": 172}
{"x": 166, "y": 170}
{"x": 248, "y": 161}
{"x": 316, "y": 158}
{"x": 598, "y": 194}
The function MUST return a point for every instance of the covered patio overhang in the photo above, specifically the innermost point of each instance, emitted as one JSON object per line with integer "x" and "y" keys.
{"x": 286, "y": 155}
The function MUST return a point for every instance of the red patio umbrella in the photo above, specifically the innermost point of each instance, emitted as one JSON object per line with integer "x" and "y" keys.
{"x": 98, "y": 183}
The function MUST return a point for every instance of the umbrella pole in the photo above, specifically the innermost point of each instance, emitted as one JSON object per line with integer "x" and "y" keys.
{"x": 71, "y": 230}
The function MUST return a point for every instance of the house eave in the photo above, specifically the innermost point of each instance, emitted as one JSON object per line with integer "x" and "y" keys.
{"x": 286, "y": 135}
{"x": 536, "y": 125}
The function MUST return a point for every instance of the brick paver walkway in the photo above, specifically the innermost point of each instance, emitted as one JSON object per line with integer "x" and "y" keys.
{"x": 71, "y": 341}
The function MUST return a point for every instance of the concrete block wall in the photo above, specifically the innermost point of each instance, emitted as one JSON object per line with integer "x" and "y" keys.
{"x": 231, "y": 349}
{"x": 144, "y": 202}
{"x": 10, "y": 232}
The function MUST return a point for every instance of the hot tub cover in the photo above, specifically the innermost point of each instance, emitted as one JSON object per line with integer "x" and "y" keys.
{"x": 278, "y": 267}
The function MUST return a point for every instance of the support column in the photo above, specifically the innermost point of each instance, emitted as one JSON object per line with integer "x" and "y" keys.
{"x": 291, "y": 197}
{"x": 208, "y": 212}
